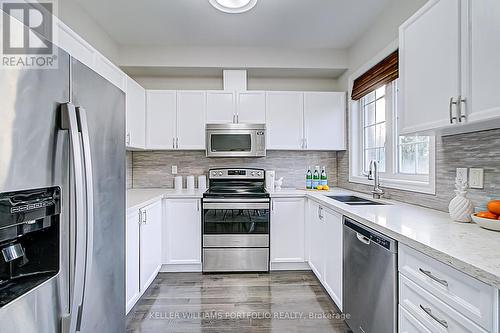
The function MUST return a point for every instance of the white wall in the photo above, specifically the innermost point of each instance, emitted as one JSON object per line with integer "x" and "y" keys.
{"x": 78, "y": 20}
{"x": 382, "y": 33}
{"x": 232, "y": 57}
{"x": 256, "y": 83}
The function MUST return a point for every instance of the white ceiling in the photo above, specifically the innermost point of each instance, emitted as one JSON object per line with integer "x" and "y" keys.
{"x": 272, "y": 23}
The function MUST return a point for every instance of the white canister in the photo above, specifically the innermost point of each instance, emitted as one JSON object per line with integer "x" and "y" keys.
{"x": 190, "y": 183}
{"x": 270, "y": 178}
{"x": 202, "y": 183}
{"x": 178, "y": 183}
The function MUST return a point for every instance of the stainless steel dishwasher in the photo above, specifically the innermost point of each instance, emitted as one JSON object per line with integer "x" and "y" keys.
{"x": 370, "y": 280}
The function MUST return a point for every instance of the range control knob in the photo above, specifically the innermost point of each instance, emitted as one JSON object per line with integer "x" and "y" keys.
{"x": 220, "y": 173}
{"x": 253, "y": 174}
{"x": 259, "y": 173}
{"x": 214, "y": 173}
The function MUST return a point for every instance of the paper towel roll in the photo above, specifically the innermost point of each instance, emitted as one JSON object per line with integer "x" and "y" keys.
{"x": 178, "y": 183}
{"x": 202, "y": 183}
{"x": 270, "y": 177}
{"x": 190, "y": 183}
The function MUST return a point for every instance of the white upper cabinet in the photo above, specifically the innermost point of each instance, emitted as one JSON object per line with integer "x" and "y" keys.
{"x": 287, "y": 231}
{"x": 161, "y": 119}
{"x": 450, "y": 68}
{"x": 251, "y": 107}
{"x": 190, "y": 120}
{"x": 324, "y": 120}
{"x": 285, "y": 120}
{"x": 136, "y": 115}
{"x": 430, "y": 66}
{"x": 484, "y": 51}
{"x": 221, "y": 107}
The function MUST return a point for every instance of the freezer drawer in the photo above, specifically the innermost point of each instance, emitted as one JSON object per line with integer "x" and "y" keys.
{"x": 235, "y": 259}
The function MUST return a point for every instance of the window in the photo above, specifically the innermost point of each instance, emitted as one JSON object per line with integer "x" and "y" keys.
{"x": 374, "y": 128}
{"x": 405, "y": 162}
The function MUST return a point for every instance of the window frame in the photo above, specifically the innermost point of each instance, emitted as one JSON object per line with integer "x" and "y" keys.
{"x": 391, "y": 178}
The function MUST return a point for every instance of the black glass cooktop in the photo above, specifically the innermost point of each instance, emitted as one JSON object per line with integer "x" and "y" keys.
{"x": 237, "y": 192}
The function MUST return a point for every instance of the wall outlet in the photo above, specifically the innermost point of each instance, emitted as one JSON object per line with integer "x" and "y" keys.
{"x": 476, "y": 178}
{"x": 462, "y": 174}
{"x": 174, "y": 169}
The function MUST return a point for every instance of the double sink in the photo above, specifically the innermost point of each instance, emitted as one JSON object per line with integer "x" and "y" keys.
{"x": 354, "y": 200}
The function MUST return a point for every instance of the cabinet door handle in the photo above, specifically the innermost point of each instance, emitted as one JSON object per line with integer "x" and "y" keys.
{"x": 177, "y": 143}
{"x": 128, "y": 139}
{"x": 428, "y": 311}
{"x": 198, "y": 205}
{"x": 173, "y": 143}
{"x": 305, "y": 143}
{"x": 461, "y": 100}
{"x": 234, "y": 118}
{"x": 433, "y": 277}
{"x": 452, "y": 102}
{"x": 143, "y": 217}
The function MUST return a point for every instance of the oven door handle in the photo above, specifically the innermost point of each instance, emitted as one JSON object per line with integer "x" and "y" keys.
{"x": 226, "y": 200}
{"x": 235, "y": 205}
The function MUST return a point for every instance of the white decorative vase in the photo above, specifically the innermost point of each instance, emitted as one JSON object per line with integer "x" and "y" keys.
{"x": 460, "y": 207}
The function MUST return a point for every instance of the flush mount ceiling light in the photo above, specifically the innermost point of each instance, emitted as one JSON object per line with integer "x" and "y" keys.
{"x": 233, "y": 6}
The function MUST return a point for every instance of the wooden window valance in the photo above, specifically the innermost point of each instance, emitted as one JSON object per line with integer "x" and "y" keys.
{"x": 379, "y": 75}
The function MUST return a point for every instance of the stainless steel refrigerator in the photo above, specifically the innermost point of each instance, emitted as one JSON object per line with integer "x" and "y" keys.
{"x": 64, "y": 128}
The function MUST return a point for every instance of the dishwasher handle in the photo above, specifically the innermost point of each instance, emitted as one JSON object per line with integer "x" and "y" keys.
{"x": 363, "y": 239}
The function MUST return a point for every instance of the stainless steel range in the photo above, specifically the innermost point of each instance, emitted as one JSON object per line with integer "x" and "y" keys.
{"x": 236, "y": 218}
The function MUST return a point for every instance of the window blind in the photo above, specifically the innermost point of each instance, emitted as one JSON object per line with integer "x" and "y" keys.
{"x": 377, "y": 76}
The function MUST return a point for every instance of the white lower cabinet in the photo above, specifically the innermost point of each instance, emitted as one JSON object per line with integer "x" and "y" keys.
{"x": 316, "y": 240}
{"x": 150, "y": 243}
{"x": 132, "y": 289}
{"x": 333, "y": 255}
{"x": 287, "y": 232}
{"x": 409, "y": 324}
{"x": 443, "y": 299}
{"x": 325, "y": 248}
{"x": 182, "y": 234}
{"x": 142, "y": 250}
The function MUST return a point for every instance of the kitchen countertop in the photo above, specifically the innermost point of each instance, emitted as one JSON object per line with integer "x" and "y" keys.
{"x": 464, "y": 246}
{"x": 138, "y": 198}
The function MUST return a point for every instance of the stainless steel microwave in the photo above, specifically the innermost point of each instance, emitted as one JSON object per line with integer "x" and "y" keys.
{"x": 236, "y": 140}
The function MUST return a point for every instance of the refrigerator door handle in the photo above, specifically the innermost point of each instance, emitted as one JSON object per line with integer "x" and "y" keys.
{"x": 69, "y": 122}
{"x": 89, "y": 198}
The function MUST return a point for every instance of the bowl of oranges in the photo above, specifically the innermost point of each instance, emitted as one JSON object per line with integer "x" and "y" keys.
{"x": 489, "y": 219}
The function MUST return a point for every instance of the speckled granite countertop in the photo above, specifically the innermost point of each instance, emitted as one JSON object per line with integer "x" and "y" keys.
{"x": 464, "y": 246}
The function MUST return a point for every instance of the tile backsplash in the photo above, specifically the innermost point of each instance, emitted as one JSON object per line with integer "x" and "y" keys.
{"x": 471, "y": 150}
{"x": 154, "y": 168}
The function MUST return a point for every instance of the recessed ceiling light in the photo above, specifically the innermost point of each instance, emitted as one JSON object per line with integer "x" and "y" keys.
{"x": 233, "y": 6}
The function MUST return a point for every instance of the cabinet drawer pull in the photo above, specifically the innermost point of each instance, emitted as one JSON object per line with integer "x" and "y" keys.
{"x": 452, "y": 102}
{"x": 430, "y": 275}
{"x": 428, "y": 311}
{"x": 461, "y": 100}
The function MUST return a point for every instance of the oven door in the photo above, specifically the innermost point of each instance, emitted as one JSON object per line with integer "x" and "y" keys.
{"x": 235, "y": 217}
{"x": 235, "y": 143}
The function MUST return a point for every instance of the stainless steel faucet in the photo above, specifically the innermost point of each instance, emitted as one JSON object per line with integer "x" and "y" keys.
{"x": 373, "y": 175}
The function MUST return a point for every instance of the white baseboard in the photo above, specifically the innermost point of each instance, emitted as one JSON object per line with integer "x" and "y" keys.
{"x": 290, "y": 266}
{"x": 180, "y": 268}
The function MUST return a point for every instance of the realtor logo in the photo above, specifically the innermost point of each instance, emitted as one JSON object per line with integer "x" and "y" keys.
{"x": 27, "y": 32}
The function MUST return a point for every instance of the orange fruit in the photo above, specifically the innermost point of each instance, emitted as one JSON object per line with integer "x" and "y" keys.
{"x": 487, "y": 215}
{"x": 494, "y": 206}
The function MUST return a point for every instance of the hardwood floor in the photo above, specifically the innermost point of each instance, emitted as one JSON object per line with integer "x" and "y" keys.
{"x": 241, "y": 303}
